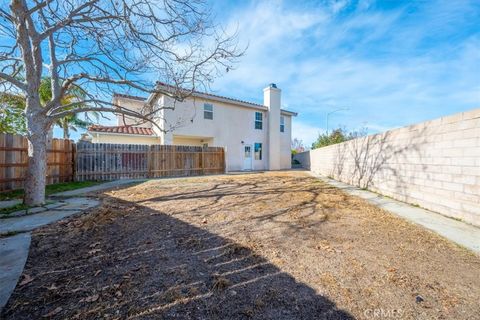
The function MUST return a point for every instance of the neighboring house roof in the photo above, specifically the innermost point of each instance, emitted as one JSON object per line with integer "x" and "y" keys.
{"x": 209, "y": 96}
{"x": 122, "y": 130}
{"x": 121, "y": 95}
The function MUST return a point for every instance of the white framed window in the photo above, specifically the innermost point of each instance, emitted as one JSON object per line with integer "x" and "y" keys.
{"x": 208, "y": 111}
{"x": 258, "y": 151}
{"x": 248, "y": 151}
{"x": 258, "y": 120}
{"x": 282, "y": 124}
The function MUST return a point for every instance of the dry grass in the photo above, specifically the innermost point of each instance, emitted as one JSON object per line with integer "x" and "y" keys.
{"x": 266, "y": 246}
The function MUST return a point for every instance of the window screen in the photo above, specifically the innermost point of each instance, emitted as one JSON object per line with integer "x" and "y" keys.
{"x": 208, "y": 111}
{"x": 258, "y": 120}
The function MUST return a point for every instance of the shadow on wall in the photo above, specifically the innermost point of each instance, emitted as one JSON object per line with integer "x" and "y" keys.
{"x": 380, "y": 159}
{"x": 147, "y": 264}
{"x": 303, "y": 158}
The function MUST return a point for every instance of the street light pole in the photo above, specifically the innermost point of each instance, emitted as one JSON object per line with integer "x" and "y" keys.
{"x": 331, "y": 112}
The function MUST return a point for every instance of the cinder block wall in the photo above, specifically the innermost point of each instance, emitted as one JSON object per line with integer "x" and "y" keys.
{"x": 434, "y": 164}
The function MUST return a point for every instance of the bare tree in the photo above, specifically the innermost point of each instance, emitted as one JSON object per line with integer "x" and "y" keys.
{"x": 102, "y": 45}
{"x": 297, "y": 145}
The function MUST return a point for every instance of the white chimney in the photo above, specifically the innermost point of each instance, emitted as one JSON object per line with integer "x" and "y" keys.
{"x": 272, "y": 100}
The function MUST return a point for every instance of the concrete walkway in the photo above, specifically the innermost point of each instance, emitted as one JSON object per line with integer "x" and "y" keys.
{"x": 30, "y": 222}
{"x": 13, "y": 255}
{"x": 98, "y": 187}
{"x": 14, "y": 249}
{"x": 9, "y": 203}
{"x": 459, "y": 232}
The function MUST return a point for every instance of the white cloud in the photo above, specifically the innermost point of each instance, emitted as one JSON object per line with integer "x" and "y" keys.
{"x": 390, "y": 67}
{"x": 305, "y": 132}
{"x": 338, "y": 5}
{"x": 273, "y": 35}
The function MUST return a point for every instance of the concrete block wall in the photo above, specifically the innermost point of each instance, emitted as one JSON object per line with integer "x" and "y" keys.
{"x": 434, "y": 164}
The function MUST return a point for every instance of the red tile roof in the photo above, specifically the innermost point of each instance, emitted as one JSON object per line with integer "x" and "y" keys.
{"x": 122, "y": 130}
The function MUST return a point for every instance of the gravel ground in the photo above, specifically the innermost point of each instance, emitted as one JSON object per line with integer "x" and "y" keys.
{"x": 276, "y": 245}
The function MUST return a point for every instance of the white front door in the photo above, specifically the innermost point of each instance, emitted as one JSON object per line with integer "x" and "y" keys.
{"x": 247, "y": 157}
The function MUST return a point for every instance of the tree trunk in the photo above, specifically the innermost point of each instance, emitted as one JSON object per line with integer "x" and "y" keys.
{"x": 66, "y": 134}
{"x": 37, "y": 163}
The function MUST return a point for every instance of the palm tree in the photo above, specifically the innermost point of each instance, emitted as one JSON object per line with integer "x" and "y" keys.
{"x": 12, "y": 105}
{"x": 68, "y": 123}
{"x": 12, "y": 119}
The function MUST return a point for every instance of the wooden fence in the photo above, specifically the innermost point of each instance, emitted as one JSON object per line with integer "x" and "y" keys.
{"x": 83, "y": 161}
{"x": 14, "y": 161}
{"x": 104, "y": 161}
{"x": 68, "y": 161}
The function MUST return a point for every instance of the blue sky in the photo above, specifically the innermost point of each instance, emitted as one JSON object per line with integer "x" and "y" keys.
{"x": 391, "y": 63}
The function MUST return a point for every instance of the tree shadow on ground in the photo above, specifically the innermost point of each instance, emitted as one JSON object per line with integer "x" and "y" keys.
{"x": 128, "y": 261}
{"x": 309, "y": 202}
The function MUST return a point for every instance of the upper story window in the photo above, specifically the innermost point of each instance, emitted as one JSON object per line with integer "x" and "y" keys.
{"x": 282, "y": 124}
{"x": 258, "y": 120}
{"x": 208, "y": 111}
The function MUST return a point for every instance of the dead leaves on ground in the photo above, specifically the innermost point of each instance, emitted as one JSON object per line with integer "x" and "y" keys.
{"x": 52, "y": 313}
{"x": 324, "y": 245}
{"x": 92, "y": 252}
{"x": 26, "y": 279}
{"x": 92, "y": 298}
{"x": 220, "y": 283}
{"x": 53, "y": 287}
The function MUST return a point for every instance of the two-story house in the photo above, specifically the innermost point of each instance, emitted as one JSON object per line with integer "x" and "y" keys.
{"x": 255, "y": 136}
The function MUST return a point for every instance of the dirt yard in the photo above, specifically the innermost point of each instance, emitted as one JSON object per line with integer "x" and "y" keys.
{"x": 263, "y": 246}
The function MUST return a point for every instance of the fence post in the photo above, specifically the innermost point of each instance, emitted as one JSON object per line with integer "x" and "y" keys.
{"x": 202, "y": 155}
{"x": 150, "y": 161}
{"x": 224, "y": 152}
{"x": 74, "y": 161}
{"x": 174, "y": 148}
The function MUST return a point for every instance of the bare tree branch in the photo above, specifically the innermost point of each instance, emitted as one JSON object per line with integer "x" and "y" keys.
{"x": 13, "y": 80}
{"x": 102, "y": 46}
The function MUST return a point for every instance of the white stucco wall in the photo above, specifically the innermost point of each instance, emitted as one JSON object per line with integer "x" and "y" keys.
{"x": 272, "y": 99}
{"x": 192, "y": 141}
{"x": 286, "y": 144}
{"x": 231, "y": 124}
{"x": 132, "y": 104}
{"x": 229, "y": 127}
{"x": 123, "y": 138}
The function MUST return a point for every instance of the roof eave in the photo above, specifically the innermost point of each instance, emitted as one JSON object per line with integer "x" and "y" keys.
{"x": 124, "y": 134}
{"x": 117, "y": 95}
{"x": 206, "y": 96}
{"x": 159, "y": 87}
{"x": 290, "y": 113}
